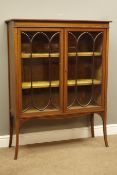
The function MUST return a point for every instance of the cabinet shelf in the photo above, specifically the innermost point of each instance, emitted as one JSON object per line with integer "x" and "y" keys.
{"x": 45, "y": 84}
{"x": 56, "y": 55}
{"x": 83, "y": 54}
{"x": 35, "y": 110}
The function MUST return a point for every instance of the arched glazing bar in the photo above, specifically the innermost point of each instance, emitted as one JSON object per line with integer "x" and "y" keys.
{"x": 49, "y": 40}
{"x": 50, "y": 63}
{"x": 27, "y": 37}
{"x": 99, "y": 35}
{"x": 76, "y": 64}
{"x": 77, "y": 43}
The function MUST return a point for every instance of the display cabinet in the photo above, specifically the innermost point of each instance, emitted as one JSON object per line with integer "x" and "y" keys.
{"x": 57, "y": 68}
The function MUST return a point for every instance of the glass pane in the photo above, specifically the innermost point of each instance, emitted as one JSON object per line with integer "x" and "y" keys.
{"x": 84, "y": 69}
{"x": 40, "y": 71}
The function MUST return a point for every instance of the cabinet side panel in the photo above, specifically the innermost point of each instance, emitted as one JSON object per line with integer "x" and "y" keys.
{"x": 12, "y": 69}
{"x": 106, "y": 68}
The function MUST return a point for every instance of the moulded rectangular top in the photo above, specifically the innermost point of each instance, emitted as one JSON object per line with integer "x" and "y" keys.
{"x": 58, "y": 20}
{"x": 27, "y": 23}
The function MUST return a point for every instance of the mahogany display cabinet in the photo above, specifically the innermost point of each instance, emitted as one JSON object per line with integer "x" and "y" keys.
{"x": 57, "y": 69}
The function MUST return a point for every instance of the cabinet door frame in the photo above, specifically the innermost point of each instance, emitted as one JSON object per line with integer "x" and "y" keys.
{"x": 104, "y": 72}
{"x": 19, "y": 78}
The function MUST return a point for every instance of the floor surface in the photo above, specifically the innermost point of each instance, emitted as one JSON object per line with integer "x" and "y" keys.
{"x": 77, "y": 157}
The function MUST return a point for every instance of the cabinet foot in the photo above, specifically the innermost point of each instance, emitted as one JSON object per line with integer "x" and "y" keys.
{"x": 92, "y": 125}
{"x": 17, "y": 139}
{"x": 103, "y": 116}
{"x": 11, "y": 131}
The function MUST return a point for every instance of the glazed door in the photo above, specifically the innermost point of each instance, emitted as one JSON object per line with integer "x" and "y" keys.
{"x": 84, "y": 69}
{"x": 41, "y": 69}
